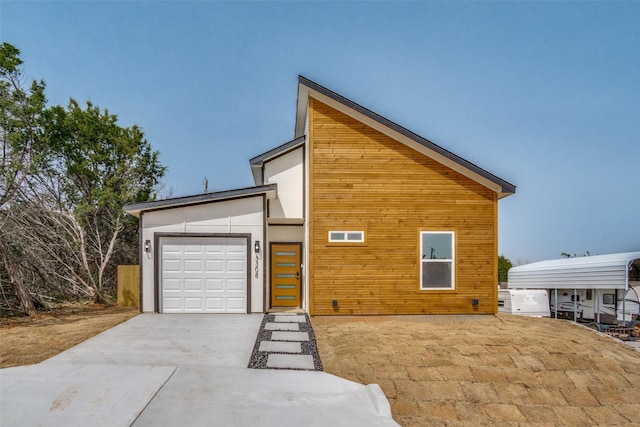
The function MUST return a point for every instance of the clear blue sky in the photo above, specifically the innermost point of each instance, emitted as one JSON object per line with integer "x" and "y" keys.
{"x": 543, "y": 94}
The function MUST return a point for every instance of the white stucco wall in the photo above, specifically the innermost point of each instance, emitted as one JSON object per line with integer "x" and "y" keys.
{"x": 285, "y": 233}
{"x": 231, "y": 216}
{"x": 287, "y": 172}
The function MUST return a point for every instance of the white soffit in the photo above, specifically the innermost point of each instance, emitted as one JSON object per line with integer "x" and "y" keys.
{"x": 590, "y": 272}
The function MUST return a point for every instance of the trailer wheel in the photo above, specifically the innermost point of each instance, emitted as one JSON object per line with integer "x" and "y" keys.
{"x": 595, "y": 326}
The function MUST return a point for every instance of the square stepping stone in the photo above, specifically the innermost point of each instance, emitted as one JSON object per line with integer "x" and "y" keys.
{"x": 290, "y": 361}
{"x": 289, "y": 336}
{"x": 281, "y": 346}
{"x": 282, "y": 326}
{"x": 299, "y": 318}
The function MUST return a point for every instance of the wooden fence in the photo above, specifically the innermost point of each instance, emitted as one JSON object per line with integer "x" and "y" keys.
{"x": 129, "y": 285}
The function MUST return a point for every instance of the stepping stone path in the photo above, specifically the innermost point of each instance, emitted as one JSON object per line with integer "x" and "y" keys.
{"x": 286, "y": 341}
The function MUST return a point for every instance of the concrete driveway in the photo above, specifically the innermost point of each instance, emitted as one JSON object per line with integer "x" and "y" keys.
{"x": 180, "y": 370}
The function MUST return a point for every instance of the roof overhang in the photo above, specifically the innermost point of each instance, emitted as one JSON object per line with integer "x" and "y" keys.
{"x": 257, "y": 163}
{"x": 590, "y": 272}
{"x": 308, "y": 88}
{"x": 135, "y": 209}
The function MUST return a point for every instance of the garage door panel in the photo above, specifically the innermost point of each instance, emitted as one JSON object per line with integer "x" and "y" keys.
{"x": 235, "y": 304}
{"x": 215, "y": 303}
{"x": 193, "y": 284}
{"x": 235, "y": 266}
{"x": 236, "y": 250}
{"x": 215, "y": 284}
{"x": 172, "y": 284}
{"x": 171, "y": 249}
{"x": 214, "y": 249}
{"x": 172, "y": 266}
{"x": 201, "y": 275}
{"x": 193, "y": 303}
{"x": 214, "y": 266}
{"x": 235, "y": 284}
{"x": 193, "y": 249}
{"x": 171, "y": 303}
{"x": 193, "y": 265}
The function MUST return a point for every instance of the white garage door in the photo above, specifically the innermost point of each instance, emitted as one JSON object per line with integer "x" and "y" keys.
{"x": 203, "y": 275}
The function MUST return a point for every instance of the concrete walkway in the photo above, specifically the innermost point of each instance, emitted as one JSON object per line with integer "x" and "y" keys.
{"x": 180, "y": 370}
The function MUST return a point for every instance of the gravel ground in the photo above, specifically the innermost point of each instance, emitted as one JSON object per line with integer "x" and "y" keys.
{"x": 486, "y": 370}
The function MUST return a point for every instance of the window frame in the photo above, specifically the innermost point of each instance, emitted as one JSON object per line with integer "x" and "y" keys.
{"x": 346, "y": 235}
{"x": 422, "y": 261}
{"x": 609, "y": 298}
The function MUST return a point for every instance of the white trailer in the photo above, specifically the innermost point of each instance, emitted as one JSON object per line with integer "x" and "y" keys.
{"x": 524, "y": 302}
{"x": 613, "y": 305}
{"x": 601, "y": 288}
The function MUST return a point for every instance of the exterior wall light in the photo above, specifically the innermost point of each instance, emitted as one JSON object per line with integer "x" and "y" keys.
{"x": 256, "y": 247}
{"x": 147, "y": 245}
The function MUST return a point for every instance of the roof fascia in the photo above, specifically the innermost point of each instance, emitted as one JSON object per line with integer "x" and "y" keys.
{"x": 308, "y": 88}
{"x": 610, "y": 271}
{"x": 136, "y": 209}
{"x": 622, "y": 259}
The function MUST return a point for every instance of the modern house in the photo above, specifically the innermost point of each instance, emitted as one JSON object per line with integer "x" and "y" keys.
{"x": 354, "y": 215}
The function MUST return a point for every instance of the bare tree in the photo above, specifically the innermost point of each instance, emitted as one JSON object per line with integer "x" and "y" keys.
{"x": 99, "y": 166}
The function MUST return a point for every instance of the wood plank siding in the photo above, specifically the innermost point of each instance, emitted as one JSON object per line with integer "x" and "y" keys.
{"x": 361, "y": 179}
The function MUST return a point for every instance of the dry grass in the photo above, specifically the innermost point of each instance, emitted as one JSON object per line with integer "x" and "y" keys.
{"x": 486, "y": 370}
{"x": 29, "y": 340}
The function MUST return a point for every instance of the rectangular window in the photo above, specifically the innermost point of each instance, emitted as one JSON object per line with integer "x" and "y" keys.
{"x": 437, "y": 253}
{"x": 608, "y": 298}
{"x": 346, "y": 236}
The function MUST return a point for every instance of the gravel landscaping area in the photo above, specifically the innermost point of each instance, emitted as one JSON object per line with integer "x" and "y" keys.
{"x": 486, "y": 370}
{"x": 259, "y": 358}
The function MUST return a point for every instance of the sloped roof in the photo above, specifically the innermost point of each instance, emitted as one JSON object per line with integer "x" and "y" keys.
{"x": 258, "y": 161}
{"x": 590, "y": 272}
{"x": 308, "y": 88}
{"x": 136, "y": 208}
